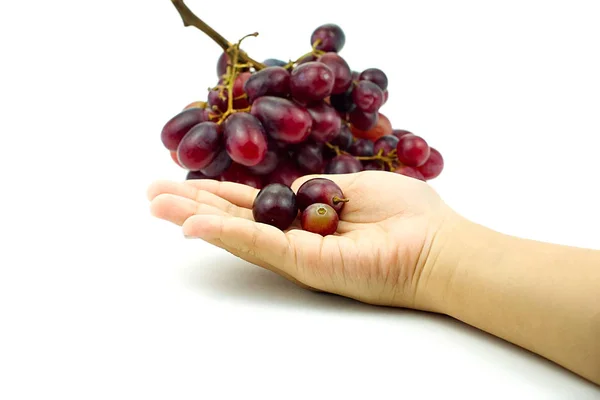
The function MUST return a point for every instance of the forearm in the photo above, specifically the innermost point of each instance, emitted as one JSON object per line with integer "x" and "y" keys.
{"x": 540, "y": 296}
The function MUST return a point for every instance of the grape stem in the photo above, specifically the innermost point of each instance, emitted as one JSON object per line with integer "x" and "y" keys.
{"x": 337, "y": 200}
{"x": 190, "y": 19}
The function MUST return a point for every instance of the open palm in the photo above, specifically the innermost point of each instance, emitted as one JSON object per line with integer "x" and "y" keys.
{"x": 378, "y": 254}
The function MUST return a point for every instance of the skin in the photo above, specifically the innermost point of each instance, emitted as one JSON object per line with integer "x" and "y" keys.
{"x": 411, "y": 250}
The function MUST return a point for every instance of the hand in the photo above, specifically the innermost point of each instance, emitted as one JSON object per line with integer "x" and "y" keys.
{"x": 383, "y": 253}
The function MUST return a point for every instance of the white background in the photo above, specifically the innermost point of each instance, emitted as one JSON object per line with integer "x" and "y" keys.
{"x": 100, "y": 301}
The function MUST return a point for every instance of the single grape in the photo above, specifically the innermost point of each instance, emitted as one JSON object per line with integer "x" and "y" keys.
{"x": 375, "y": 75}
{"x": 341, "y": 72}
{"x": 433, "y": 166}
{"x": 219, "y": 165}
{"x": 222, "y": 64}
{"x": 311, "y": 82}
{"x": 362, "y": 120}
{"x": 382, "y": 128}
{"x": 367, "y": 96}
{"x": 199, "y": 146}
{"x": 344, "y": 139}
{"x": 245, "y": 139}
{"x": 385, "y": 144}
{"x": 239, "y": 98}
{"x": 309, "y": 157}
{"x": 361, "y": 148}
{"x": 320, "y": 219}
{"x": 285, "y": 173}
{"x": 330, "y": 37}
{"x": 271, "y": 81}
{"x": 239, "y": 174}
{"x": 321, "y": 190}
{"x": 179, "y": 125}
{"x": 282, "y": 119}
{"x": 410, "y": 171}
{"x": 174, "y": 158}
{"x": 274, "y": 62}
{"x": 195, "y": 175}
{"x": 412, "y": 150}
{"x": 268, "y": 164}
{"x": 275, "y": 205}
{"x": 343, "y": 102}
{"x": 373, "y": 165}
{"x": 326, "y": 123}
{"x": 218, "y": 98}
{"x": 343, "y": 164}
{"x": 400, "y": 132}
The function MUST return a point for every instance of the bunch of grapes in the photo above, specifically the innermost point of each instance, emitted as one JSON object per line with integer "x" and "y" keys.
{"x": 275, "y": 121}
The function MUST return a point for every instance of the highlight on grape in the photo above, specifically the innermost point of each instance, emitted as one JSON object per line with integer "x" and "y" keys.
{"x": 275, "y": 121}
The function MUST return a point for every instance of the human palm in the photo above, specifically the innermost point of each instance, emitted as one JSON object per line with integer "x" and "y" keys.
{"x": 378, "y": 255}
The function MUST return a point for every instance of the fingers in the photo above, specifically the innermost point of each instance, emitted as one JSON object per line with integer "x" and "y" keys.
{"x": 249, "y": 240}
{"x": 177, "y": 209}
{"x": 235, "y": 193}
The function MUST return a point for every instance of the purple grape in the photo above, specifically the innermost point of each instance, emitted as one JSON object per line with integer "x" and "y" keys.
{"x": 309, "y": 157}
{"x": 268, "y": 164}
{"x": 373, "y": 165}
{"x": 282, "y": 119}
{"x": 274, "y": 62}
{"x": 344, "y": 139}
{"x": 311, "y": 82}
{"x": 245, "y": 139}
{"x": 331, "y": 37}
{"x": 219, "y": 165}
{"x": 412, "y": 150}
{"x": 321, "y": 190}
{"x": 386, "y": 143}
{"x": 343, "y": 102}
{"x": 326, "y": 123}
{"x": 179, "y": 125}
{"x": 367, "y": 96}
{"x": 376, "y": 76}
{"x": 222, "y": 64}
{"x": 361, "y": 148}
{"x": 343, "y": 164}
{"x": 199, "y": 146}
{"x": 341, "y": 72}
{"x": 285, "y": 173}
{"x": 195, "y": 175}
{"x": 275, "y": 205}
{"x": 400, "y": 132}
{"x": 271, "y": 81}
{"x": 363, "y": 121}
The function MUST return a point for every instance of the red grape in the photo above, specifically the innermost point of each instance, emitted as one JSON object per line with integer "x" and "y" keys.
{"x": 326, "y": 123}
{"x": 386, "y": 143}
{"x": 382, "y": 128}
{"x": 433, "y": 166}
{"x": 221, "y": 162}
{"x": 343, "y": 164}
{"x": 309, "y": 157}
{"x": 222, "y": 64}
{"x": 341, "y": 72}
{"x": 195, "y": 175}
{"x": 239, "y": 174}
{"x": 361, "y": 148}
{"x": 386, "y": 96}
{"x": 311, "y": 82}
{"x": 238, "y": 90}
{"x": 282, "y": 119}
{"x": 343, "y": 102}
{"x": 271, "y": 81}
{"x": 285, "y": 173}
{"x": 410, "y": 171}
{"x": 412, "y": 150}
{"x": 195, "y": 104}
{"x": 179, "y": 125}
{"x": 320, "y": 219}
{"x": 321, "y": 190}
{"x": 199, "y": 146}
{"x": 375, "y": 75}
{"x": 330, "y": 36}
{"x": 362, "y": 120}
{"x": 268, "y": 164}
{"x": 174, "y": 158}
{"x": 344, "y": 139}
{"x": 400, "y": 132}
{"x": 274, "y": 62}
{"x": 275, "y": 205}
{"x": 245, "y": 139}
{"x": 367, "y": 96}
{"x": 218, "y": 98}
